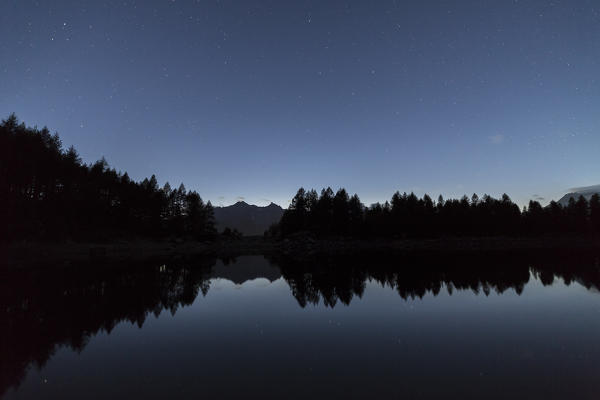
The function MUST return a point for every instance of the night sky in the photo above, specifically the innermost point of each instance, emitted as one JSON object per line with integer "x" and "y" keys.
{"x": 253, "y": 99}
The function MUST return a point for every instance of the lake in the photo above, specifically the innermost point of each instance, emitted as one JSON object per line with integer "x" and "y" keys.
{"x": 415, "y": 326}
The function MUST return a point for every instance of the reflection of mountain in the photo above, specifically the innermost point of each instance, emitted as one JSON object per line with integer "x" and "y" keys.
{"x": 44, "y": 309}
{"x": 251, "y": 267}
{"x": 246, "y": 218}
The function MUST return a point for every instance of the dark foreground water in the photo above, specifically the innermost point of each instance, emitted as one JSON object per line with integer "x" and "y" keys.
{"x": 500, "y": 326}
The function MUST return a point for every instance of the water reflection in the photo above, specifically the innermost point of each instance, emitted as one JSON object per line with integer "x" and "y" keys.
{"x": 44, "y": 309}
{"x": 341, "y": 279}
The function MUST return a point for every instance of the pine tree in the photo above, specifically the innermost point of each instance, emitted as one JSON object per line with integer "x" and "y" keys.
{"x": 595, "y": 212}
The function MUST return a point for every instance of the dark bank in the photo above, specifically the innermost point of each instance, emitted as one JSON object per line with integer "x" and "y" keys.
{"x": 55, "y": 204}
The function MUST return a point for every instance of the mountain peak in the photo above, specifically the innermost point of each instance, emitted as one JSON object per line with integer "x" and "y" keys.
{"x": 249, "y": 219}
{"x": 587, "y": 192}
{"x": 242, "y": 203}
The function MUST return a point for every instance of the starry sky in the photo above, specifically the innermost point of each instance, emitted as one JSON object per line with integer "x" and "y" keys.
{"x": 253, "y": 99}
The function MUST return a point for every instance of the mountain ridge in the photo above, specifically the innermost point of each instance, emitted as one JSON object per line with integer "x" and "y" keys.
{"x": 587, "y": 192}
{"x": 248, "y": 219}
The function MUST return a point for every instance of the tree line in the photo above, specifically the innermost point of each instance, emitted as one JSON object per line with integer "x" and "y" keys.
{"x": 47, "y": 192}
{"x": 406, "y": 215}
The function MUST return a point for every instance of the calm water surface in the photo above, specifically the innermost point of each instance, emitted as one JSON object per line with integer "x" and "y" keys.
{"x": 458, "y": 327}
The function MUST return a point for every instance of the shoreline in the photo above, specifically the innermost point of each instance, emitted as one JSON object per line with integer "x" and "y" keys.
{"x": 38, "y": 253}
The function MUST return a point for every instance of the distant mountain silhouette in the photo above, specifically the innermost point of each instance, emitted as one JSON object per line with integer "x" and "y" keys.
{"x": 586, "y": 192}
{"x": 247, "y": 218}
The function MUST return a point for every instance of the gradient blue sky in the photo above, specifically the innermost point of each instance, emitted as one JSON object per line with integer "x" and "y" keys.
{"x": 253, "y": 99}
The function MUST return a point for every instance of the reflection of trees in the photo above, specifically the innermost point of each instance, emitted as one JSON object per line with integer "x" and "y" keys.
{"x": 43, "y": 310}
{"x": 342, "y": 278}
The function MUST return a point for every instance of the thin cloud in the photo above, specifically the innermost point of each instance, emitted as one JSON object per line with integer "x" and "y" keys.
{"x": 497, "y": 139}
{"x": 593, "y": 188}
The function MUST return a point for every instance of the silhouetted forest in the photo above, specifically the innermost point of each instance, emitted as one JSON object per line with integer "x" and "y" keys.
{"x": 47, "y": 192}
{"x": 407, "y": 215}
